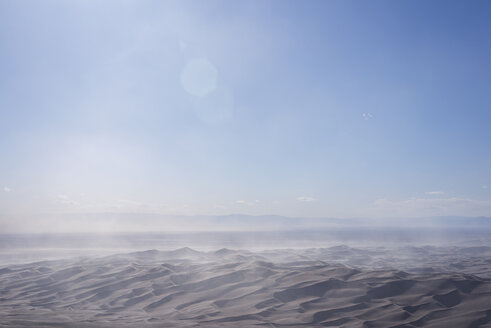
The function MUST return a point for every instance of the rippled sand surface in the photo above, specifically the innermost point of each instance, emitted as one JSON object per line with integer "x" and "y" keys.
{"x": 337, "y": 286}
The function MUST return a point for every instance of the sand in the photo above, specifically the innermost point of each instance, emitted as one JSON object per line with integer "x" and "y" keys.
{"x": 334, "y": 287}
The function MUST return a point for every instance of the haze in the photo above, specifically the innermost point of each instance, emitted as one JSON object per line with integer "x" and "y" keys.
{"x": 327, "y": 109}
{"x": 245, "y": 163}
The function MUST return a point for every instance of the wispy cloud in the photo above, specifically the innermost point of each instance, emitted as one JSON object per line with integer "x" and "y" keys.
{"x": 65, "y": 200}
{"x": 431, "y": 207}
{"x": 7, "y": 189}
{"x": 306, "y": 199}
{"x": 367, "y": 116}
{"x": 484, "y": 187}
{"x": 244, "y": 202}
{"x": 434, "y": 192}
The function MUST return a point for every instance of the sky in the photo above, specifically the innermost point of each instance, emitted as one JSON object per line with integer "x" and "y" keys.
{"x": 297, "y": 108}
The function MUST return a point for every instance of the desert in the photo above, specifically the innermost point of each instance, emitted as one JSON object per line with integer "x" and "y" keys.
{"x": 337, "y": 286}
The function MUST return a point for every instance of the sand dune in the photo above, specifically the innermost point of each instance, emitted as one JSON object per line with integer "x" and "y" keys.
{"x": 226, "y": 288}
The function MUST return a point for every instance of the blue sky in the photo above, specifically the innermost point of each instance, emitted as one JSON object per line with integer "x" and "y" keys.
{"x": 296, "y": 108}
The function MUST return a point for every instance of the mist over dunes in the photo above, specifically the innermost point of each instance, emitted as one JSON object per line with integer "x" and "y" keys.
{"x": 223, "y": 288}
{"x": 344, "y": 277}
{"x": 247, "y": 163}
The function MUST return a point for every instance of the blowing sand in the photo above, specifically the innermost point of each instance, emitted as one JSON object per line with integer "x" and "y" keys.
{"x": 227, "y": 288}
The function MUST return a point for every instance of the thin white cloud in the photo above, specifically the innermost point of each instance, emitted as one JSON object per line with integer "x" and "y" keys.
{"x": 130, "y": 202}
{"x": 7, "y": 189}
{"x": 244, "y": 202}
{"x": 484, "y": 187}
{"x": 367, "y": 116}
{"x": 65, "y": 200}
{"x": 306, "y": 199}
{"x": 430, "y": 207}
{"x": 434, "y": 192}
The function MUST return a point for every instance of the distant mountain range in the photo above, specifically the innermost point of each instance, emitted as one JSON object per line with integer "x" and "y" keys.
{"x": 134, "y": 222}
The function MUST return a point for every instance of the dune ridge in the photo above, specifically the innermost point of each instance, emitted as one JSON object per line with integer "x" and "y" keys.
{"x": 227, "y": 288}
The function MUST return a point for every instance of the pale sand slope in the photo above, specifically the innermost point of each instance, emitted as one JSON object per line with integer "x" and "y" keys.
{"x": 186, "y": 288}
